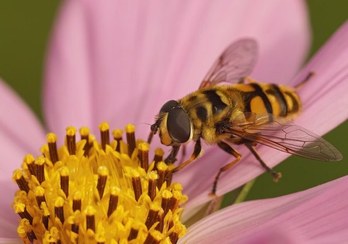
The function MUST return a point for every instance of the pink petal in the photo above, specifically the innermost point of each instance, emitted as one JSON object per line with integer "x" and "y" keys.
{"x": 10, "y": 240}
{"x": 20, "y": 133}
{"x": 8, "y": 219}
{"x": 119, "y": 61}
{"x": 318, "y": 215}
{"x": 325, "y": 94}
{"x": 67, "y": 95}
{"x": 324, "y": 97}
{"x": 275, "y": 235}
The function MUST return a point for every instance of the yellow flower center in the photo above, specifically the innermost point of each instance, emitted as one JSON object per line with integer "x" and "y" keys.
{"x": 98, "y": 192}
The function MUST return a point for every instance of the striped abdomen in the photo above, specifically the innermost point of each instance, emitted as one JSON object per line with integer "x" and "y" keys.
{"x": 260, "y": 98}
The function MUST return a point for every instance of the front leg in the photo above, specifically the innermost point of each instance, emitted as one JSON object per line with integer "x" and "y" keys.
{"x": 196, "y": 151}
{"x": 172, "y": 155}
{"x": 276, "y": 175}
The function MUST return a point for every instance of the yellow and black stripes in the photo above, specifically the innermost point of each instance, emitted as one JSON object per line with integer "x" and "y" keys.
{"x": 255, "y": 94}
{"x": 215, "y": 100}
{"x": 278, "y": 94}
{"x": 208, "y": 106}
{"x": 278, "y": 100}
{"x": 205, "y": 104}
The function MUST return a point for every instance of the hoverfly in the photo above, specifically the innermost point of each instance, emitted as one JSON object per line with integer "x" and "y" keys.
{"x": 231, "y": 108}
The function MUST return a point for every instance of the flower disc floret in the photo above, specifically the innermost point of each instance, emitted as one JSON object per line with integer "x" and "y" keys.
{"x": 90, "y": 191}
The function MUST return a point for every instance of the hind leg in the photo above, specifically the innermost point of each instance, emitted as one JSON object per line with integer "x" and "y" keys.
{"x": 276, "y": 175}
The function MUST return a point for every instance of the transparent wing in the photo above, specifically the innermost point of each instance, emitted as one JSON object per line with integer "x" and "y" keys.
{"x": 235, "y": 63}
{"x": 287, "y": 137}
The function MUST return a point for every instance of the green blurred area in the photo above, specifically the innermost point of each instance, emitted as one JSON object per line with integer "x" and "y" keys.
{"x": 24, "y": 33}
{"x": 25, "y": 30}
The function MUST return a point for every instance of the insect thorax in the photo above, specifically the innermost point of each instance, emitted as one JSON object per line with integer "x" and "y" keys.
{"x": 206, "y": 107}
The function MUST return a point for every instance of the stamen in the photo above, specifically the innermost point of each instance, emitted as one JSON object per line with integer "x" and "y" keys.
{"x": 160, "y": 225}
{"x": 39, "y": 165}
{"x": 58, "y": 209}
{"x": 176, "y": 231}
{"x": 52, "y": 147}
{"x": 25, "y": 231}
{"x": 166, "y": 206}
{"x": 113, "y": 201}
{"x": 174, "y": 237}
{"x": 29, "y": 162}
{"x": 152, "y": 216}
{"x": 176, "y": 198}
{"x": 151, "y": 191}
{"x": 21, "y": 210}
{"x": 102, "y": 178}
{"x": 166, "y": 199}
{"x": 31, "y": 236}
{"x": 20, "y": 180}
{"x": 161, "y": 171}
{"x": 136, "y": 186}
{"x": 117, "y": 134}
{"x": 104, "y": 135}
{"x": 158, "y": 156}
{"x": 45, "y": 216}
{"x": 87, "y": 192}
{"x": 84, "y": 132}
{"x": 64, "y": 181}
{"x": 39, "y": 195}
{"x": 76, "y": 207}
{"x": 133, "y": 234}
{"x": 130, "y": 133}
{"x": 143, "y": 155}
{"x": 71, "y": 140}
{"x": 90, "y": 218}
{"x": 75, "y": 228}
{"x": 77, "y": 201}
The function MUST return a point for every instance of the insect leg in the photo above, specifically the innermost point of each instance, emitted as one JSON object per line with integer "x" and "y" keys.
{"x": 227, "y": 148}
{"x": 153, "y": 131}
{"x": 276, "y": 175}
{"x": 149, "y": 138}
{"x": 196, "y": 151}
{"x": 172, "y": 155}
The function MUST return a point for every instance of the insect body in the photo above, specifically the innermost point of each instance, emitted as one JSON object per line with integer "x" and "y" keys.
{"x": 214, "y": 106}
{"x": 241, "y": 111}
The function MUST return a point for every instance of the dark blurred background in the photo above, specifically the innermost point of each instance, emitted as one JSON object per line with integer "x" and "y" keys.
{"x": 24, "y": 32}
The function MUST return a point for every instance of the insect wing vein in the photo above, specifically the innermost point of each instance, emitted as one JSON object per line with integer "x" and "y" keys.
{"x": 235, "y": 63}
{"x": 289, "y": 138}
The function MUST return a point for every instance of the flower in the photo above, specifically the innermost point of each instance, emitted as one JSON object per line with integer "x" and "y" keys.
{"x": 95, "y": 59}
{"x": 153, "y": 63}
{"x": 105, "y": 192}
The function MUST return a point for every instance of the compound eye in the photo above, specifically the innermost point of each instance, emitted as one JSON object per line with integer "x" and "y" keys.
{"x": 179, "y": 125}
{"x": 168, "y": 106}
